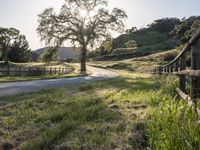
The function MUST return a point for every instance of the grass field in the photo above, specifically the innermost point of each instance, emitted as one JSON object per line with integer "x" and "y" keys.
{"x": 139, "y": 64}
{"x": 134, "y": 111}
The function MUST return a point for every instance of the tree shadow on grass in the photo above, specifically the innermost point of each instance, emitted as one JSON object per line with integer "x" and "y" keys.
{"x": 88, "y": 120}
{"x": 142, "y": 84}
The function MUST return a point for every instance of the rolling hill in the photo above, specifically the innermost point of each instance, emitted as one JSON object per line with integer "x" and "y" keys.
{"x": 64, "y": 53}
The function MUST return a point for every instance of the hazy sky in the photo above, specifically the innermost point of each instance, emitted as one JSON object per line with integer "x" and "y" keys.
{"x": 22, "y": 14}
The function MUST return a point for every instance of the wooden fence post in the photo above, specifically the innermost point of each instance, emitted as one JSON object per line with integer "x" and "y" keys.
{"x": 20, "y": 71}
{"x": 167, "y": 69}
{"x": 50, "y": 70}
{"x": 44, "y": 70}
{"x": 171, "y": 68}
{"x": 160, "y": 70}
{"x": 8, "y": 70}
{"x": 195, "y": 65}
{"x": 182, "y": 77}
{"x": 29, "y": 71}
{"x": 176, "y": 66}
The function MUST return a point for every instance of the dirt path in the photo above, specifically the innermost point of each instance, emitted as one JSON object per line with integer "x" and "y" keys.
{"x": 15, "y": 88}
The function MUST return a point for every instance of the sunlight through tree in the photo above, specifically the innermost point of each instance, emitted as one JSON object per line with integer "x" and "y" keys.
{"x": 81, "y": 22}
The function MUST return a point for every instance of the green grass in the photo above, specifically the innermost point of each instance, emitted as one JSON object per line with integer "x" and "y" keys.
{"x": 144, "y": 38}
{"x": 141, "y": 63}
{"x": 173, "y": 125}
{"x": 112, "y": 114}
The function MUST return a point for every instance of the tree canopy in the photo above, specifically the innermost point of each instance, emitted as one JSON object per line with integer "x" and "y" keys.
{"x": 164, "y": 24}
{"x": 7, "y": 37}
{"x": 13, "y": 46}
{"x": 49, "y": 54}
{"x": 20, "y": 51}
{"x": 81, "y": 22}
{"x": 186, "y": 29}
{"x": 130, "y": 44}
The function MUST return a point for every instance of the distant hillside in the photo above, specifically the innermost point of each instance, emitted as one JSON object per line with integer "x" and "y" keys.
{"x": 155, "y": 38}
{"x": 148, "y": 42}
{"x": 142, "y": 37}
{"x": 64, "y": 53}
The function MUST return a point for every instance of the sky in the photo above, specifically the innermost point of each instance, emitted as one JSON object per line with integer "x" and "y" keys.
{"x": 23, "y": 14}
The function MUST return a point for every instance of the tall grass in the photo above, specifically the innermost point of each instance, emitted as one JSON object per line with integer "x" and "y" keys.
{"x": 172, "y": 124}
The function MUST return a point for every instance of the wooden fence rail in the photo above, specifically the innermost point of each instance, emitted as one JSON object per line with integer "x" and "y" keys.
{"x": 34, "y": 71}
{"x": 181, "y": 68}
{"x": 109, "y": 62}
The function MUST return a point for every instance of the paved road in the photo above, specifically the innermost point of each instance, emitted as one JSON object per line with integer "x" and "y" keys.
{"x": 15, "y": 88}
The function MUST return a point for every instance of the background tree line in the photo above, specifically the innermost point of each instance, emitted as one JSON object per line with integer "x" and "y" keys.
{"x": 13, "y": 46}
{"x": 177, "y": 30}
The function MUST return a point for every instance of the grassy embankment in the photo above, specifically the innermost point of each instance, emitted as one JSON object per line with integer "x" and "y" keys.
{"x": 134, "y": 111}
{"x": 74, "y": 73}
{"x": 140, "y": 63}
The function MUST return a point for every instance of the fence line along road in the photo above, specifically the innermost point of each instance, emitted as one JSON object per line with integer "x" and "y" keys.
{"x": 109, "y": 61}
{"x": 180, "y": 67}
{"x": 34, "y": 71}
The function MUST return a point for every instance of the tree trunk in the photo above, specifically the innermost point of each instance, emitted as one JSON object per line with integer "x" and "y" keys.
{"x": 83, "y": 58}
{"x": 5, "y": 56}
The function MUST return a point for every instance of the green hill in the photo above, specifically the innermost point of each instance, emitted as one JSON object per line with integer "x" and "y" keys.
{"x": 157, "y": 37}
{"x": 160, "y": 36}
{"x": 142, "y": 38}
{"x": 148, "y": 42}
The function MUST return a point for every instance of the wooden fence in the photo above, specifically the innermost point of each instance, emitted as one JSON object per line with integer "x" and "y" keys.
{"x": 108, "y": 62}
{"x": 34, "y": 71}
{"x": 187, "y": 63}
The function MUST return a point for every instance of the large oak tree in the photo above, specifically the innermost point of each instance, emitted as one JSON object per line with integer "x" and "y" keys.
{"x": 80, "y": 21}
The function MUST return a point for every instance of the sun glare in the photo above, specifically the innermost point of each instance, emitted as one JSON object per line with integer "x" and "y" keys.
{"x": 83, "y": 13}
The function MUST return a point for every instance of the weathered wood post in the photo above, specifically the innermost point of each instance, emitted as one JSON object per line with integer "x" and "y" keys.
{"x": 160, "y": 70}
{"x": 176, "y": 66}
{"x": 20, "y": 69}
{"x": 171, "y": 68}
{"x": 157, "y": 70}
{"x": 8, "y": 70}
{"x": 167, "y": 69}
{"x": 195, "y": 65}
{"x": 182, "y": 77}
{"x": 29, "y": 71}
{"x": 50, "y": 70}
{"x": 44, "y": 70}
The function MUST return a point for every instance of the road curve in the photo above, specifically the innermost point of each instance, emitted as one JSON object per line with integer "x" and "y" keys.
{"x": 14, "y": 88}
